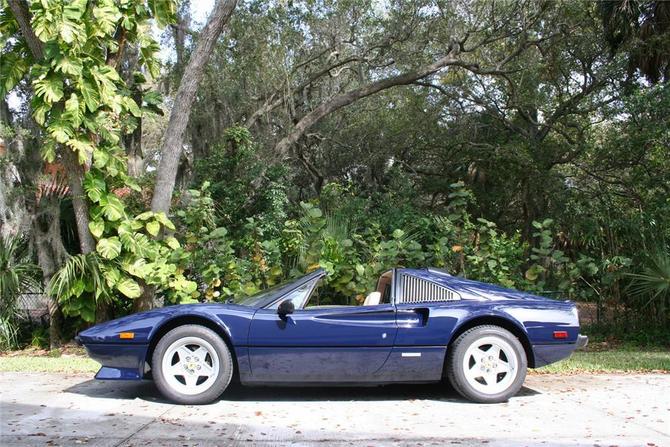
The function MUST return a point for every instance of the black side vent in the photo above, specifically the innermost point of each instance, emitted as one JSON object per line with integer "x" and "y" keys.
{"x": 416, "y": 290}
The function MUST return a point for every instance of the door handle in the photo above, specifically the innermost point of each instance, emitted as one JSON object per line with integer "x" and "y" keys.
{"x": 413, "y": 317}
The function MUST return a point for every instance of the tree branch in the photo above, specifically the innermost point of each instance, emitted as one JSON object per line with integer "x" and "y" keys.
{"x": 344, "y": 99}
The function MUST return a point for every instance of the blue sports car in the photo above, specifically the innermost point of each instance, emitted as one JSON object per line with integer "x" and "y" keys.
{"x": 418, "y": 326}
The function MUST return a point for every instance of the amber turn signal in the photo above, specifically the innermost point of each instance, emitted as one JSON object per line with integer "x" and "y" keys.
{"x": 127, "y": 335}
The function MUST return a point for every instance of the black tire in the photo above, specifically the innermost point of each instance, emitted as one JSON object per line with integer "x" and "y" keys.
{"x": 221, "y": 380}
{"x": 457, "y": 356}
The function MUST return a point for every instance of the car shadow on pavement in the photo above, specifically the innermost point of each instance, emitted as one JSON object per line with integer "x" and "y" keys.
{"x": 146, "y": 390}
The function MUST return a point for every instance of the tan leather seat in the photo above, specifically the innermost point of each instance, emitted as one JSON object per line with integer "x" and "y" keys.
{"x": 373, "y": 299}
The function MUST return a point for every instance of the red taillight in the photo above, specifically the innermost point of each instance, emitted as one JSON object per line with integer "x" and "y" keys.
{"x": 560, "y": 334}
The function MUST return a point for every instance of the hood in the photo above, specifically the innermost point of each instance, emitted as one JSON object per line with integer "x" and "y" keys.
{"x": 142, "y": 324}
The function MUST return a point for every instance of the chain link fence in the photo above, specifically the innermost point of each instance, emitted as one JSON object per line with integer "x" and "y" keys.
{"x": 34, "y": 307}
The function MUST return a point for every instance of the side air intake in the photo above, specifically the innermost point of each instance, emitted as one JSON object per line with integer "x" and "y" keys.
{"x": 417, "y": 290}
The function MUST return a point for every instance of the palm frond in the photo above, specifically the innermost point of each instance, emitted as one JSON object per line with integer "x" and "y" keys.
{"x": 17, "y": 275}
{"x": 337, "y": 227}
{"x": 77, "y": 268}
{"x": 653, "y": 284}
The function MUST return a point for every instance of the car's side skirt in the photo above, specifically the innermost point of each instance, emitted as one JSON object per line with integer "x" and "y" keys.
{"x": 413, "y": 364}
{"x": 406, "y": 364}
{"x": 336, "y": 384}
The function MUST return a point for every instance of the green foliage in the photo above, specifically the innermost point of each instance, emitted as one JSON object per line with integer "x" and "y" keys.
{"x": 232, "y": 170}
{"x": 84, "y": 106}
{"x": 226, "y": 267}
{"x": 79, "y": 284}
{"x": 652, "y": 286}
{"x": 552, "y": 177}
{"x": 17, "y": 275}
{"x": 39, "y": 338}
{"x": 129, "y": 256}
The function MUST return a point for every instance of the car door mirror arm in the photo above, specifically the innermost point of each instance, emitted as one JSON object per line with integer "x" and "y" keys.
{"x": 285, "y": 308}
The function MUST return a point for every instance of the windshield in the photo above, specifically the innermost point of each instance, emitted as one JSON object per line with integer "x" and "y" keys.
{"x": 259, "y": 299}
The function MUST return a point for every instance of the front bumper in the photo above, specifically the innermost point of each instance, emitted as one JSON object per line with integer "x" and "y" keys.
{"x": 582, "y": 341}
{"x": 119, "y": 361}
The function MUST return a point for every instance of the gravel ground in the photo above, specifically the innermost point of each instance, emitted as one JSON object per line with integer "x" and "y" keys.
{"x": 551, "y": 410}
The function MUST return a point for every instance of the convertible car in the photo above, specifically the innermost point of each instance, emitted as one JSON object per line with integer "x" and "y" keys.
{"x": 418, "y": 326}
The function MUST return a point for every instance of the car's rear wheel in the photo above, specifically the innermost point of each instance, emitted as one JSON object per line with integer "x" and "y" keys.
{"x": 192, "y": 365}
{"x": 487, "y": 364}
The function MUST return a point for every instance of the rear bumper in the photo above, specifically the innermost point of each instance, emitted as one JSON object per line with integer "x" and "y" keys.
{"x": 553, "y": 352}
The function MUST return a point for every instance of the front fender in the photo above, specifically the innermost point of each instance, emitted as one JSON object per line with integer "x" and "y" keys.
{"x": 124, "y": 358}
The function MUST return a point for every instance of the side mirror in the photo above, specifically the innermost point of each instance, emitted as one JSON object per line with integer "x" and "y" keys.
{"x": 286, "y": 307}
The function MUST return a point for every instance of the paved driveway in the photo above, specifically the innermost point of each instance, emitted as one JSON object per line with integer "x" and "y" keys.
{"x": 55, "y": 409}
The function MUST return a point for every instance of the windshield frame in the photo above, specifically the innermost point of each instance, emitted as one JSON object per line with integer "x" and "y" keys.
{"x": 268, "y": 296}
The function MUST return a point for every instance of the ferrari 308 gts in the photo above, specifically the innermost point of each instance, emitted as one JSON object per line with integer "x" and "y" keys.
{"x": 418, "y": 326}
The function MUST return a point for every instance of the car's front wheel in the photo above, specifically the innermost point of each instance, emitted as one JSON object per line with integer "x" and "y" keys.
{"x": 487, "y": 364}
{"x": 192, "y": 365}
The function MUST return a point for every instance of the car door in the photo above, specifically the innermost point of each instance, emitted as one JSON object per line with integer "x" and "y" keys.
{"x": 425, "y": 317}
{"x": 321, "y": 344}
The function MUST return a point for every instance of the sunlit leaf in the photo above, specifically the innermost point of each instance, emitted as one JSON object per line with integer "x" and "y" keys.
{"x": 109, "y": 248}
{"x": 96, "y": 227}
{"x": 129, "y": 288}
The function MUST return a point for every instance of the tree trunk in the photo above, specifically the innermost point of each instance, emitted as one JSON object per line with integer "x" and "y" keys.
{"x": 146, "y": 300}
{"x": 181, "y": 110}
{"x": 51, "y": 254}
{"x": 179, "y": 31}
{"x": 13, "y": 212}
{"x": 75, "y": 175}
{"x": 133, "y": 145}
{"x": 22, "y": 15}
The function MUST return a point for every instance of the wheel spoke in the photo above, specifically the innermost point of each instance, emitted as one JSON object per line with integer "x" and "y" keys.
{"x": 491, "y": 378}
{"x": 191, "y": 379}
{"x": 200, "y": 353}
{"x": 473, "y": 374}
{"x": 184, "y": 352}
{"x": 206, "y": 369}
{"x": 494, "y": 351}
{"x": 503, "y": 367}
{"x": 177, "y": 369}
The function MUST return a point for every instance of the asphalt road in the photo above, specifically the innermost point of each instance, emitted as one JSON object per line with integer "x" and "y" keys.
{"x": 606, "y": 410}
